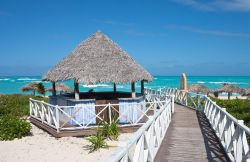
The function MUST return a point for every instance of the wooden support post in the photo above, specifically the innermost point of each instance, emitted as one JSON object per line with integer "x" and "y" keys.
{"x": 142, "y": 87}
{"x": 133, "y": 89}
{"x": 53, "y": 88}
{"x": 114, "y": 87}
{"x": 76, "y": 90}
{"x": 229, "y": 95}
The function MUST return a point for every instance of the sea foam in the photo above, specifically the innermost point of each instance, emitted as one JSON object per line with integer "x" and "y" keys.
{"x": 27, "y": 79}
{"x": 4, "y": 79}
{"x": 227, "y": 82}
{"x": 97, "y": 85}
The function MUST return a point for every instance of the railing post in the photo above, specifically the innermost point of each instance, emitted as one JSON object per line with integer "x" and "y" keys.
{"x": 110, "y": 118}
{"x": 43, "y": 113}
{"x": 30, "y": 106}
{"x": 57, "y": 120}
{"x": 199, "y": 102}
{"x": 172, "y": 103}
{"x": 239, "y": 142}
{"x": 186, "y": 98}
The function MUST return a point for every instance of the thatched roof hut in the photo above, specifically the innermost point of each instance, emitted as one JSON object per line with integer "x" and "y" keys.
{"x": 96, "y": 60}
{"x": 198, "y": 88}
{"x": 229, "y": 88}
{"x": 30, "y": 87}
{"x": 62, "y": 88}
{"x": 247, "y": 91}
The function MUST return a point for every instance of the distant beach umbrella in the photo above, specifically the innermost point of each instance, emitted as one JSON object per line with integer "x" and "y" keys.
{"x": 229, "y": 88}
{"x": 30, "y": 87}
{"x": 198, "y": 88}
{"x": 183, "y": 82}
{"x": 62, "y": 88}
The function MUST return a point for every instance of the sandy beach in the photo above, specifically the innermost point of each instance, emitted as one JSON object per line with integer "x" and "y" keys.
{"x": 42, "y": 147}
{"x": 233, "y": 97}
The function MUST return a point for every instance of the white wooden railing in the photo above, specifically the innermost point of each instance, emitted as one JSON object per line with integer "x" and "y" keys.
{"x": 144, "y": 144}
{"x": 46, "y": 113}
{"x": 67, "y": 117}
{"x": 231, "y": 132}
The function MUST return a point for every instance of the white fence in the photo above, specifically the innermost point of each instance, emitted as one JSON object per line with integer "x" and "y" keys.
{"x": 144, "y": 144}
{"x": 86, "y": 116}
{"x": 231, "y": 132}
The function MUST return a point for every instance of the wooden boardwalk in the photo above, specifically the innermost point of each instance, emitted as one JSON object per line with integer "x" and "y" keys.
{"x": 190, "y": 138}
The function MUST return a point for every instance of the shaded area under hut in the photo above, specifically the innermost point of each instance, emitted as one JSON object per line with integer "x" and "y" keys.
{"x": 98, "y": 60}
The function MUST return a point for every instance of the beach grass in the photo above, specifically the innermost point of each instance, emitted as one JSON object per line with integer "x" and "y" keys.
{"x": 14, "y": 109}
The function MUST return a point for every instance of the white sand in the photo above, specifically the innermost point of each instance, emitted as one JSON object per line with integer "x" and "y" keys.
{"x": 45, "y": 148}
{"x": 233, "y": 97}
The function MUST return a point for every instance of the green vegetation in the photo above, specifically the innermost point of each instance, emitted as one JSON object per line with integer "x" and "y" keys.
{"x": 12, "y": 127}
{"x": 195, "y": 100}
{"x": 97, "y": 142}
{"x": 111, "y": 130}
{"x": 12, "y": 109}
{"x": 16, "y": 104}
{"x": 240, "y": 109}
{"x": 105, "y": 130}
{"x": 41, "y": 89}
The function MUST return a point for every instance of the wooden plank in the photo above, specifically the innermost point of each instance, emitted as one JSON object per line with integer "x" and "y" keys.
{"x": 190, "y": 138}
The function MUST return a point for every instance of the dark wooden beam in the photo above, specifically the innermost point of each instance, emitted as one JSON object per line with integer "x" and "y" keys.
{"x": 76, "y": 90}
{"x": 142, "y": 87}
{"x": 114, "y": 87}
{"x": 133, "y": 89}
{"x": 53, "y": 88}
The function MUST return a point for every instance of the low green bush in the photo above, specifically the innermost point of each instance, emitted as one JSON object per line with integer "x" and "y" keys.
{"x": 12, "y": 108}
{"x": 97, "y": 142}
{"x": 110, "y": 130}
{"x": 12, "y": 127}
{"x": 239, "y": 108}
{"x": 16, "y": 104}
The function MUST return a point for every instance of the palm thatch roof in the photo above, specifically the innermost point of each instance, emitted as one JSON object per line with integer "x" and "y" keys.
{"x": 61, "y": 88}
{"x": 198, "y": 88}
{"x": 30, "y": 87}
{"x": 98, "y": 59}
{"x": 247, "y": 92}
{"x": 229, "y": 88}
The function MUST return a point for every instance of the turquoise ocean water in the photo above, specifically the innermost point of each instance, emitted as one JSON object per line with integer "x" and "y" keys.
{"x": 10, "y": 85}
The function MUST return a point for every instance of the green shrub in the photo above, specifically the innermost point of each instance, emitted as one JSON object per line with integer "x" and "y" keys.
{"x": 41, "y": 88}
{"x": 97, "y": 142}
{"x": 16, "y": 104}
{"x": 111, "y": 130}
{"x": 12, "y": 108}
{"x": 12, "y": 127}
{"x": 240, "y": 109}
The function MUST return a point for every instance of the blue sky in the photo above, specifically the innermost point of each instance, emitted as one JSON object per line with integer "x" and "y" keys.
{"x": 167, "y": 37}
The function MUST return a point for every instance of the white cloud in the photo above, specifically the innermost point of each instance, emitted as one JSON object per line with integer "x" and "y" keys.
{"x": 142, "y": 33}
{"x": 209, "y": 32}
{"x": 218, "y": 5}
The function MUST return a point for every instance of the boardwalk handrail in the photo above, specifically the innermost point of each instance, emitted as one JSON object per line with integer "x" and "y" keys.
{"x": 65, "y": 117}
{"x": 231, "y": 132}
{"x": 144, "y": 144}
